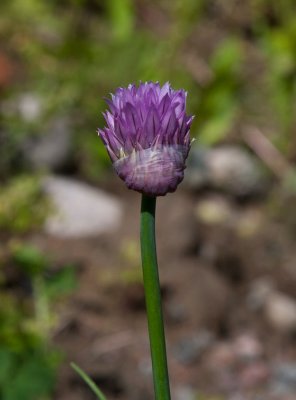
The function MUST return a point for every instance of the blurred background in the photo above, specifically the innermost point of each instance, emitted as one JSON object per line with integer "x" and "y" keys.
{"x": 70, "y": 274}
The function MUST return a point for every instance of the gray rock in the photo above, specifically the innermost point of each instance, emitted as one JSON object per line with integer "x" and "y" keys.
{"x": 284, "y": 379}
{"x": 247, "y": 347}
{"x": 176, "y": 312}
{"x": 286, "y": 372}
{"x": 228, "y": 168}
{"x": 52, "y": 149}
{"x": 80, "y": 210}
{"x": 214, "y": 210}
{"x": 197, "y": 173}
{"x": 278, "y": 308}
{"x": 188, "y": 350}
{"x": 222, "y": 356}
{"x": 145, "y": 367}
{"x": 184, "y": 393}
{"x": 29, "y": 106}
{"x": 258, "y": 293}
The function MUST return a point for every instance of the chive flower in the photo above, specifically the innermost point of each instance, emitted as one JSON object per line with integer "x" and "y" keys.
{"x": 147, "y": 136}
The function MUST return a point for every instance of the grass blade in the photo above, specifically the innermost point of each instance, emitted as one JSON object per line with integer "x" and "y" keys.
{"x": 88, "y": 381}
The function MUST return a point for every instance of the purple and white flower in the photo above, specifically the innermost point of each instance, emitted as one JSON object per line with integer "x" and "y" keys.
{"x": 147, "y": 136}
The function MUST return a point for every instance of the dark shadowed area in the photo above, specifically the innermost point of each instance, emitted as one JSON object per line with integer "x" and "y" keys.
{"x": 70, "y": 270}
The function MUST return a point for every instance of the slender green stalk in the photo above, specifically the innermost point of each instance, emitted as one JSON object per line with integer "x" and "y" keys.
{"x": 88, "y": 381}
{"x": 153, "y": 300}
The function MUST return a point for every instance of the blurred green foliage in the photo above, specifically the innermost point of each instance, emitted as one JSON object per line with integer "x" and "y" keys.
{"x": 221, "y": 102}
{"x": 280, "y": 47}
{"x": 23, "y": 207}
{"x": 72, "y": 53}
{"x": 26, "y": 320}
{"x": 33, "y": 375}
{"x": 237, "y": 60}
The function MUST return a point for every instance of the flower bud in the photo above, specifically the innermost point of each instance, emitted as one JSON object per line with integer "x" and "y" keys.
{"x": 147, "y": 137}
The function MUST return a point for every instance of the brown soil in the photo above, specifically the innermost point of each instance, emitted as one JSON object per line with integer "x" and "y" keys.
{"x": 206, "y": 274}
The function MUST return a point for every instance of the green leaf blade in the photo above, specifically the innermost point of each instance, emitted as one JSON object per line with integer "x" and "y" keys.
{"x": 91, "y": 384}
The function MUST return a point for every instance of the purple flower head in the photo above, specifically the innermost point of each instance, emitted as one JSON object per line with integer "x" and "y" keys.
{"x": 147, "y": 136}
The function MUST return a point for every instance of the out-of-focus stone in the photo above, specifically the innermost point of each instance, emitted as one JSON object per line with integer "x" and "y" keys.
{"x": 249, "y": 223}
{"x": 283, "y": 381}
{"x": 254, "y": 374}
{"x": 278, "y": 308}
{"x": 247, "y": 347}
{"x": 258, "y": 293}
{"x": 228, "y": 168}
{"x": 175, "y": 312}
{"x": 280, "y": 311}
{"x": 29, "y": 106}
{"x": 185, "y": 393}
{"x": 188, "y": 350}
{"x": 80, "y": 210}
{"x": 52, "y": 149}
{"x": 214, "y": 211}
{"x": 221, "y": 356}
{"x": 197, "y": 172}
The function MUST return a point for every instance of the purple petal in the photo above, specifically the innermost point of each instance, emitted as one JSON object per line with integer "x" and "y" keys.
{"x": 151, "y": 96}
{"x": 152, "y": 125}
{"x": 129, "y": 145}
{"x": 164, "y": 104}
{"x": 165, "y": 90}
{"x": 119, "y": 129}
{"x": 185, "y": 127}
{"x": 111, "y": 105}
{"x": 172, "y": 126}
{"x": 132, "y": 118}
{"x": 109, "y": 119}
{"x": 169, "y": 123}
{"x": 114, "y": 143}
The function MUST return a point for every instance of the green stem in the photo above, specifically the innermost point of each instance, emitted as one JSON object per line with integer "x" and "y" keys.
{"x": 153, "y": 300}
